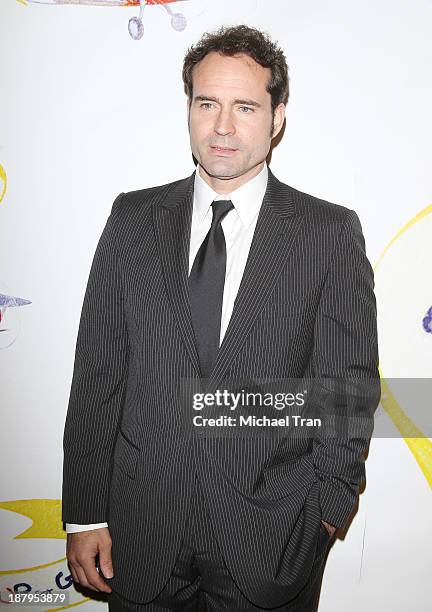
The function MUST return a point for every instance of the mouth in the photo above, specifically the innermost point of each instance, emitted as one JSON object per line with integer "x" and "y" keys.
{"x": 222, "y": 150}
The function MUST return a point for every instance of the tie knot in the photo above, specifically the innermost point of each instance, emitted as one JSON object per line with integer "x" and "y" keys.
{"x": 220, "y": 209}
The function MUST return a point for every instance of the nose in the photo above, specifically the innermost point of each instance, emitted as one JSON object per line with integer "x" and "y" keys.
{"x": 224, "y": 123}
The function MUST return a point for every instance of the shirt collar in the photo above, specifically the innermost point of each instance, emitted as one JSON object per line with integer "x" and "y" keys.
{"x": 246, "y": 199}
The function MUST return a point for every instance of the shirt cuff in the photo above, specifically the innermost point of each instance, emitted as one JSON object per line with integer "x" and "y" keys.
{"x": 74, "y": 528}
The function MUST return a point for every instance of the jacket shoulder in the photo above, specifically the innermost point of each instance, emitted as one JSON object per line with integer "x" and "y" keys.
{"x": 131, "y": 208}
{"x": 145, "y": 197}
{"x": 318, "y": 208}
{"x": 326, "y": 220}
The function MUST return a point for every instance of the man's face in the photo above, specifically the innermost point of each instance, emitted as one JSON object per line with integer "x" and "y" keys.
{"x": 230, "y": 118}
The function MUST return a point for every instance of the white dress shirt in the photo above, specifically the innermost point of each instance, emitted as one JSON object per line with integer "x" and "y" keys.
{"x": 238, "y": 226}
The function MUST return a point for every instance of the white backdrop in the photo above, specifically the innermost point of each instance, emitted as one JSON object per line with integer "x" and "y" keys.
{"x": 86, "y": 112}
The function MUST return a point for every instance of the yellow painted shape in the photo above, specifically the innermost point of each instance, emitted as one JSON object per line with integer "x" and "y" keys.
{"x": 3, "y": 178}
{"x": 423, "y": 213}
{"x": 47, "y": 523}
{"x": 32, "y": 568}
{"x": 417, "y": 442}
{"x": 45, "y": 514}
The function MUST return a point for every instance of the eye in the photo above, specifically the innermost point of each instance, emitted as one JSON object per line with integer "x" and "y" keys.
{"x": 205, "y": 105}
{"x": 247, "y": 108}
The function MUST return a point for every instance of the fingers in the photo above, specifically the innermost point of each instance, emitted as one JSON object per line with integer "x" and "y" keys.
{"x": 82, "y": 550}
{"x": 94, "y": 580}
{"x": 330, "y": 528}
{"x": 74, "y": 574}
{"x": 105, "y": 562}
{"x": 84, "y": 572}
{"x": 82, "y": 578}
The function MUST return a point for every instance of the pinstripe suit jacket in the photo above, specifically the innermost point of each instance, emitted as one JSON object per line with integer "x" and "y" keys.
{"x": 305, "y": 308}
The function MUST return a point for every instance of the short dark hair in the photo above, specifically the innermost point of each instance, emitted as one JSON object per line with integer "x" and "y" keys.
{"x": 230, "y": 40}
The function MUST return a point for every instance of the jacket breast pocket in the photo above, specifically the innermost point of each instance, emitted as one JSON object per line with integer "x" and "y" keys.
{"x": 126, "y": 455}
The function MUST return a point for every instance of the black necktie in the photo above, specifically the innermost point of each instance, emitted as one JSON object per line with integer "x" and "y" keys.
{"x": 206, "y": 285}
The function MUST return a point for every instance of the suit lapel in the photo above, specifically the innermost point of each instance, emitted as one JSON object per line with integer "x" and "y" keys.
{"x": 277, "y": 225}
{"x": 172, "y": 221}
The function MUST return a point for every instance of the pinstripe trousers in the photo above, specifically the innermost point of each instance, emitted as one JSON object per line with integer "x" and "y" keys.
{"x": 200, "y": 581}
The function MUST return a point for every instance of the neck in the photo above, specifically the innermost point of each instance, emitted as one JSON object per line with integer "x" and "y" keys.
{"x": 228, "y": 185}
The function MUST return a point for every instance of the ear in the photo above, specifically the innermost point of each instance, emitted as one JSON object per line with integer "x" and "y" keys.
{"x": 279, "y": 118}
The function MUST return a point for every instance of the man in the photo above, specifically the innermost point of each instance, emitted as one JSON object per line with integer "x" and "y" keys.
{"x": 227, "y": 275}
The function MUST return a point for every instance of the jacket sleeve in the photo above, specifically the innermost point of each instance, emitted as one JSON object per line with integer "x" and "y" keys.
{"x": 346, "y": 377}
{"x": 98, "y": 386}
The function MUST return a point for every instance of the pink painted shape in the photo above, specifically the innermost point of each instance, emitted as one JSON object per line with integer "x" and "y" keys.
{"x": 137, "y": 2}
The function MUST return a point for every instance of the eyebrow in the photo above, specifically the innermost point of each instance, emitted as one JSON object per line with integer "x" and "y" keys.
{"x": 236, "y": 101}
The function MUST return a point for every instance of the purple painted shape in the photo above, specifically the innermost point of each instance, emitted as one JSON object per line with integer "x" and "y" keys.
{"x": 9, "y": 301}
{"x": 427, "y": 321}
{"x": 6, "y": 301}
